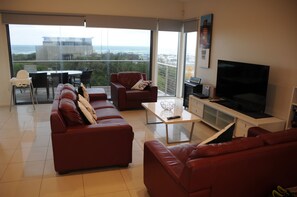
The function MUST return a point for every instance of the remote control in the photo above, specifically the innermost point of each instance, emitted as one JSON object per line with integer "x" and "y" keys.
{"x": 172, "y": 117}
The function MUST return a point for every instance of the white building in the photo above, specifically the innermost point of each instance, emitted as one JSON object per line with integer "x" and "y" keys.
{"x": 63, "y": 48}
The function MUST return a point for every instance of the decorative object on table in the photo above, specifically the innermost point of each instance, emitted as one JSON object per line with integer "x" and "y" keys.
{"x": 205, "y": 40}
{"x": 167, "y": 105}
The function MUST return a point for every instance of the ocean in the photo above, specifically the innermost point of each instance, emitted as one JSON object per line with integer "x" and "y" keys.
{"x": 27, "y": 49}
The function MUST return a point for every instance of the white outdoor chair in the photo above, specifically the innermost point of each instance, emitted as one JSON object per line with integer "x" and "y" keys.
{"x": 22, "y": 80}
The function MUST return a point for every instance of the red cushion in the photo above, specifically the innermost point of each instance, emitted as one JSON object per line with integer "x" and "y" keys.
{"x": 66, "y": 93}
{"x": 69, "y": 87}
{"x": 106, "y": 113}
{"x": 279, "y": 137}
{"x": 182, "y": 152}
{"x": 112, "y": 121}
{"x": 138, "y": 95}
{"x": 129, "y": 79}
{"x": 101, "y": 104}
{"x": 70, "y": 113}
{"x": 237, "y": 145}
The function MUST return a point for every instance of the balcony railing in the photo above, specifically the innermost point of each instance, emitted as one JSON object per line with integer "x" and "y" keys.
{"x": 102, "y": 70}
{"x": 167, "y": 79}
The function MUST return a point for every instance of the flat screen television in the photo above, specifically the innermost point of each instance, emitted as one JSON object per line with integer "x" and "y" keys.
{"x": 243, "y": 87}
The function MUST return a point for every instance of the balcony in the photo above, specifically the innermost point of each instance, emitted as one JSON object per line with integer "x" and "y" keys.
{"x": 100, "y": 76}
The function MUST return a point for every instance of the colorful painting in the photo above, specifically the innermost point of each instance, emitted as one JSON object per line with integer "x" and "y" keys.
{"x": 205, "y": 40}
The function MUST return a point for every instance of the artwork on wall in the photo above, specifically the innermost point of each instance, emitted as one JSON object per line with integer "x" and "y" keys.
{"x": 205, "y": 40}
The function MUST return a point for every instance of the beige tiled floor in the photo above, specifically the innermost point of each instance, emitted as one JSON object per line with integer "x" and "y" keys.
{"x": 26, "y": 158}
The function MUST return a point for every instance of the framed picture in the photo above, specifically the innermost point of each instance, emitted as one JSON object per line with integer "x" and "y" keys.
{"x": 205, "y": 40}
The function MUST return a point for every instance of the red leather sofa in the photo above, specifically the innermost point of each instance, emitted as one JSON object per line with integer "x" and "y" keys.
{"x": 77, "y": 145}
{"x": 123, "y": 97}
{"x": 245, "y": 167}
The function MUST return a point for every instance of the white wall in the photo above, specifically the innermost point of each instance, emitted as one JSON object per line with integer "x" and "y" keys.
{"x": 253, "y": 31}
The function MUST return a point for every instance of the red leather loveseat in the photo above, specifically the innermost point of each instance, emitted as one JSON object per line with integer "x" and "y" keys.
{"x": 245, "y": 167}
{"x": 77, "y": 145}
{"x": 123, "y": 97}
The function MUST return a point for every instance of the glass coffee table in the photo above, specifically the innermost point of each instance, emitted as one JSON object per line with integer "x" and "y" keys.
{"x": 185, "y": 116}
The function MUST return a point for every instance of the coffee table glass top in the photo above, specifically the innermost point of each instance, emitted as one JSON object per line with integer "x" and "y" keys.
{"x": 185, "y": 116}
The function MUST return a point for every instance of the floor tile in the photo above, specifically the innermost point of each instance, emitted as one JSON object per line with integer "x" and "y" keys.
{"x": 62, "y": 186}
{"x": 33, "y": 140}
{"x": 133, "y": 177}
{"x": 114, "y": 194}
{"x": 6, "y": 155}
{"x": 29, "y": 154}
{"x": 27, "y": 166}
{"x": 104, "y": 182}
{"x": 141, "y": 192}
{"x": 11, "y": 133}
{"x": 2, "y": 169}
{"x": 23, "y": 171}
{"x": 11, "y": 143}
{"x": 28, "y": 188}
{"x": 49, "y": 169}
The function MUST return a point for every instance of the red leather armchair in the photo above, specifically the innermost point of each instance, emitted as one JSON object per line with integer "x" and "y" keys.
{"x": 124, "y": 97}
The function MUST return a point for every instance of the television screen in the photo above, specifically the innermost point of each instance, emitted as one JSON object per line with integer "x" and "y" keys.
{"x": 242, "y": 86}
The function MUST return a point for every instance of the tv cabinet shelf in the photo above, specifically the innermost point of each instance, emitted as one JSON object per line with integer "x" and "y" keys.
{"x": 218, "y": 116}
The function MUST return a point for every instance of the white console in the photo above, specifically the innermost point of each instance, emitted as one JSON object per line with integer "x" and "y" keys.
{"x": 218, "y": 116}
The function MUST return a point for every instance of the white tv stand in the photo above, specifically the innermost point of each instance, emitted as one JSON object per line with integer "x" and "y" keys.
{"x": 218, "y": 116}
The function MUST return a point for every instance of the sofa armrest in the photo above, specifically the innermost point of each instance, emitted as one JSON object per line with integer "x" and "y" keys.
{"x": 79, "y": 147}
{"x": 255, "y": 131}
{"x": 99, "y": 128}
{"x": 156, "y": 155}
{"x": 154, "y": 92}
{"x": 117, "y": 87}
{"x": 118, "y": 94}
{"x": 96, "y": 94}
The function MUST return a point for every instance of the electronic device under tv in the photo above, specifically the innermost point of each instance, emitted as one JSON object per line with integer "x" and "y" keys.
{"x": 243, "y": 87}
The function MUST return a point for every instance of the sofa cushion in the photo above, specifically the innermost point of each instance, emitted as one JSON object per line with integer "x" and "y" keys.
{"x": 140, "y": 85}
{"x": 69, "y": 87}
{"x": 106, "y": 113}
{"x": 66, "y": 93}
{"x": 112, "y": 121}
{"x": 82, "y": 90}
{"x": 88, "y": 106}
{"x": 279, "y": 137}
{"x": 182, "y": 152}
{"x": 88, "y": 115}
{"x": 70, "y": 113}
{"x": 138, "y": 95}
{"x": 101, "y": 104}
{"x": 237, "y": 145}
{"x": 129, "y": 79}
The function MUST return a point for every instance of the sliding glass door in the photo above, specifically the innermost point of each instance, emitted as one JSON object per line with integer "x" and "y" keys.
{"x": 167, "y": 62}
{"x": 46, "y": 48}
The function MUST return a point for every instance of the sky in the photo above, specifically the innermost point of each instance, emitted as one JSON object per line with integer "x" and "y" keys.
{"x": 33, "y": 35}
